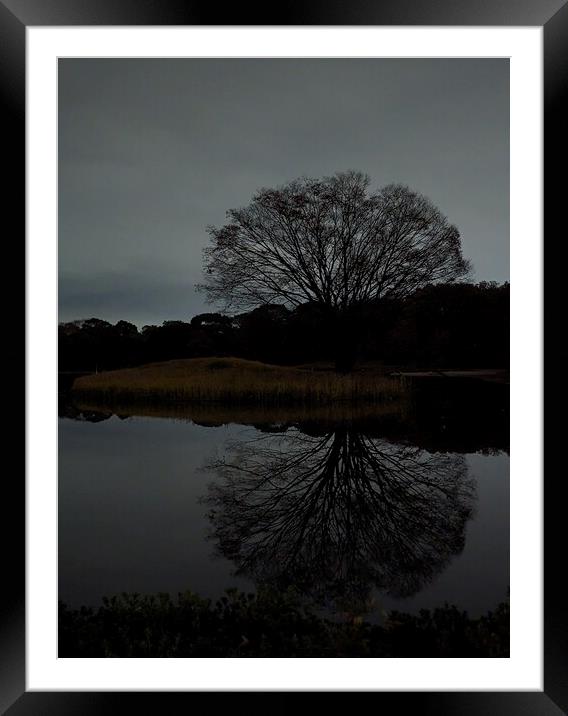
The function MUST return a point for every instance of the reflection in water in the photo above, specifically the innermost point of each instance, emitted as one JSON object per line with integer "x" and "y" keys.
{"x": 335, "y": 515}
{"x": 437, "y": 414}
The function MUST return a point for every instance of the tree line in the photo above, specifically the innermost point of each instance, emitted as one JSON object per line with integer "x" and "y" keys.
{"x": 445, "y": 325}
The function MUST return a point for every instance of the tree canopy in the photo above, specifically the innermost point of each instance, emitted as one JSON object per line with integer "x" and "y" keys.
{"x": 331, "y": 241}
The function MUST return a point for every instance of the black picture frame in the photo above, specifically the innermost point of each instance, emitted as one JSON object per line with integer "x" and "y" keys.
{"x": 15, "y": 16}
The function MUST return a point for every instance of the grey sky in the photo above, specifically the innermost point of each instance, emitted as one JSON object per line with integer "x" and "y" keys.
{"x": 152, "y": 151}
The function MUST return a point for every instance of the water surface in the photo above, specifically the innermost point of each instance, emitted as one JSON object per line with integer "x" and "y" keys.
{"x": 367, "y": 515}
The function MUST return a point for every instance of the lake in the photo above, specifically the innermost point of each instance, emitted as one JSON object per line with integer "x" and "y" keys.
{"x": 405, "y": 509}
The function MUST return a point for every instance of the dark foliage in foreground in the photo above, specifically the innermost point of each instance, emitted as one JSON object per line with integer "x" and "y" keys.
{"x": 269, "y": 624}
{"x": 459, "y": 325}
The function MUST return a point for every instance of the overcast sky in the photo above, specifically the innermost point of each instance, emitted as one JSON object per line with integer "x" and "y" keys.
{"x": 153, "y": 151}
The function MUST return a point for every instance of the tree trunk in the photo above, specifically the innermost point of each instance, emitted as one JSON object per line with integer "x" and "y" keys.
{"x": 346, "y": 343}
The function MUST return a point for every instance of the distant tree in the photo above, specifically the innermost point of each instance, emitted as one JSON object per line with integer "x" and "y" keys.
{"x": 335, "y": 243}
{"x": 213, "y": 334}
{"x": 125, "y": 329}
{"x": 263, "y": 333}
{"x": 463, "y": 325}
{"x": 211, "y": 320}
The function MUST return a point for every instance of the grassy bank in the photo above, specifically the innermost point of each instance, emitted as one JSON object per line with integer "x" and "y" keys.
{"x": 236, "y": 380}
{"x": 270, "y": 624}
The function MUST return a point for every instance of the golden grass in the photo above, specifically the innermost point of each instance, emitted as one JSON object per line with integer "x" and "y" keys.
{"x": 236, "y": 380}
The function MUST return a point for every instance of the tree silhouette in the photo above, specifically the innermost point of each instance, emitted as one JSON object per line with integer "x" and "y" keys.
{"x": 336, "y": 514}
{"x": 334, "y": 243}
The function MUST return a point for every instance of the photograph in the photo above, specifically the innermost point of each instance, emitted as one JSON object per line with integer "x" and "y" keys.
{"x": 283, "y": 357}
{"x": 283, "y": 342}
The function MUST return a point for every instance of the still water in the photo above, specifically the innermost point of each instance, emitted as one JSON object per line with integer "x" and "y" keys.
{"x": 386, "y": 513}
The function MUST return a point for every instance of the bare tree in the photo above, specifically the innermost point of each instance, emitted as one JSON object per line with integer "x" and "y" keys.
{"x": 337, "y": 514}
{"x": 332, "y": 242}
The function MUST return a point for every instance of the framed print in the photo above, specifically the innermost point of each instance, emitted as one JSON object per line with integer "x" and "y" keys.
{"x": 295, "y": 477}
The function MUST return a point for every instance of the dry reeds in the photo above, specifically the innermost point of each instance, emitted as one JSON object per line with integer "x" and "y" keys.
{"x": 233, "y": 380}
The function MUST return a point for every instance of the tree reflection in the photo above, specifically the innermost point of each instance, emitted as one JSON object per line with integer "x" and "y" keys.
{"x": 336, "y": 514}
